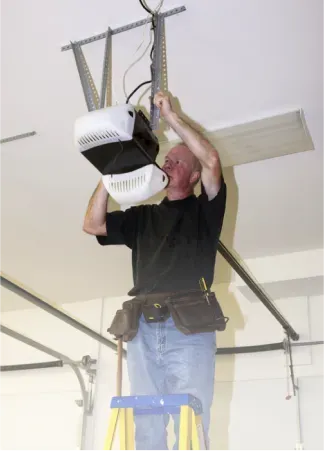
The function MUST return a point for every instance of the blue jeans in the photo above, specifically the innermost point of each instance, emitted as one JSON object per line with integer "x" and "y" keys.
{"x": 162, "y": 360}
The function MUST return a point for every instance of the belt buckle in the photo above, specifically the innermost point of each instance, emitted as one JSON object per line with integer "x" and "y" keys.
{"x": 154, "y": 312}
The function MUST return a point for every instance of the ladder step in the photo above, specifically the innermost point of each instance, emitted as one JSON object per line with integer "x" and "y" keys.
{"x": 156, "y": 410}
{"x": 157, "y": 403}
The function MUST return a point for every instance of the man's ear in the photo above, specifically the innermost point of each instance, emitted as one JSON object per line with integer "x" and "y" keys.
{"x": 194, "y": 178}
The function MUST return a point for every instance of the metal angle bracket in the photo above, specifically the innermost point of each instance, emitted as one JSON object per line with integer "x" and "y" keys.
{"x": 88, "y": 86}
{"x": 156, "y": 68}
{"x": 16, "y": 137}
{"x": 105, "y": 82}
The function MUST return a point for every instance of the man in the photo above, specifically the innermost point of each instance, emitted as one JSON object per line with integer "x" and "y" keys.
{"x": 173, "y": 245}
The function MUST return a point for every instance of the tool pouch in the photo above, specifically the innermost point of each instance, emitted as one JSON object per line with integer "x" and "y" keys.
{"x": 155, "y": 313}
{"x": 193, "y": 314}
{"x": 126, "y": 321}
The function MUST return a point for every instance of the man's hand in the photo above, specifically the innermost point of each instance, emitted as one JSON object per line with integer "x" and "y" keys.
{"x": 162, "y": 101}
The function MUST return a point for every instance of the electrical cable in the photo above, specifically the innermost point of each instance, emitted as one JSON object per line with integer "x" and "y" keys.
{"x": 133, "y": 64}
{"x": 137, "y": 88}
{"x": 117, "y": 155}
{"x": 146, "y": 7}
{"x": 152, "y": 13}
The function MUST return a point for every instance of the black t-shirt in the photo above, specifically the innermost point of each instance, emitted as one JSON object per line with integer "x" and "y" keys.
{"x": 173, "y": 244}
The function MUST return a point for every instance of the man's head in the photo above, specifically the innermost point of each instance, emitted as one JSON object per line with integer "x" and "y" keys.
{"x": 183, "y": 170}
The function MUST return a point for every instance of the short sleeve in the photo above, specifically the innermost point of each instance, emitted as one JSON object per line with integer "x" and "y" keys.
{"x": 214, "y": 209}
{"x": 121, "y": 228}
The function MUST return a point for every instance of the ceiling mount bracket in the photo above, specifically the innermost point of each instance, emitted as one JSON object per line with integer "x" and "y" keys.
{"x": 158, "y": 59}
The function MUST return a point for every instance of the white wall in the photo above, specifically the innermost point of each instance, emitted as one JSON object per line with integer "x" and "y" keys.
{"x": 249, "y": 412}
{"x": 38, "y": 408}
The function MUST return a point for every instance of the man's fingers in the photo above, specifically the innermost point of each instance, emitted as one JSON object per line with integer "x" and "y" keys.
{"x": 159, "y": 96}
{"x": 158, "y": 101}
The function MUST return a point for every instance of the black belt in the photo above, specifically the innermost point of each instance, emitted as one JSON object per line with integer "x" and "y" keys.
{"x": 154, "y": 306}
{"x": 158, "y": 297}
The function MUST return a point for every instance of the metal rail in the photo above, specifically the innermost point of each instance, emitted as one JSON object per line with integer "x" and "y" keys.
{"x": 32, "y": 366}
{"x": 55, "y": 312}
{"x": 257, "y": 290}
{"x": 28, "y": 341}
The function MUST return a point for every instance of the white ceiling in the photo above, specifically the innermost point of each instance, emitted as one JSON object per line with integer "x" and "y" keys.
{"x": 228, "y": 60}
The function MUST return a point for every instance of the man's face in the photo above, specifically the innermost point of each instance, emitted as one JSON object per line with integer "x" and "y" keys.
{"x": 179, "y": 167}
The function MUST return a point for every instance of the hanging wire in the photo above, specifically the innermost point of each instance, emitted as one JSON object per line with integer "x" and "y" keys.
{"x": 152, "y": 14}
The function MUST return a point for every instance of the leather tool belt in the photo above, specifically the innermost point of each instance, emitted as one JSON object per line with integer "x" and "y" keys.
{"x": 192, "y": 312}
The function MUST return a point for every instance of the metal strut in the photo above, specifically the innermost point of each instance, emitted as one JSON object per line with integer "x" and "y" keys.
{"x": 88, "y": 86}
{"x": 156, "y": 69}
{"x": 105, "y": 85}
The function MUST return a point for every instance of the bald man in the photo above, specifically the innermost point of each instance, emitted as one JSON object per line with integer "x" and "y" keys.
{"x": 173, "y": 245}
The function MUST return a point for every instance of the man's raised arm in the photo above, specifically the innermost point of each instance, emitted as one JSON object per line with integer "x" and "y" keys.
{"x": 95, "y": 218}
{"x": 197, "y": 143}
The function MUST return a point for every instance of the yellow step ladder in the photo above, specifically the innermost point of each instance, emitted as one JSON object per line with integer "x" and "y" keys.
{"x": 124, "y": 408}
